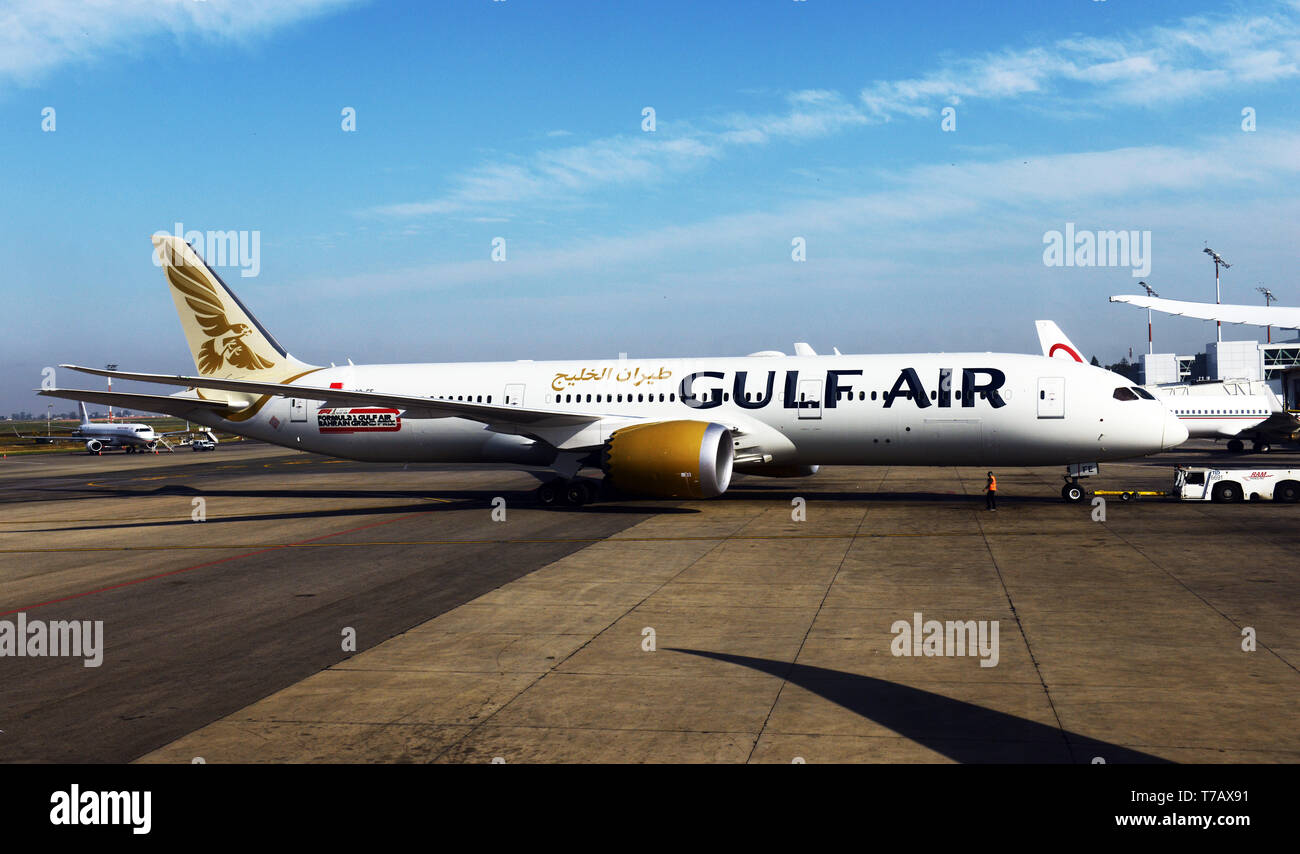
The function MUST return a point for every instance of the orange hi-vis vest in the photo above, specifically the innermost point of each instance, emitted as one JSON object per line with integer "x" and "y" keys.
{"x": 993, "y": 483}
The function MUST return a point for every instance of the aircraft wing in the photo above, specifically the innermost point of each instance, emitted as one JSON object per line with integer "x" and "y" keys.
{"x": 48, "y": 440}
{"x": 1279, "y": 425}
{"x": 487, "y": 413}
{"x": 1253, "y": 315}
{"x": 168, "y": 404}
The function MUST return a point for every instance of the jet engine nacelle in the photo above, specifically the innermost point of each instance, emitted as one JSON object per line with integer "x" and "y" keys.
{"x": 94, "y": 446}
{"x": 670, "y": 459}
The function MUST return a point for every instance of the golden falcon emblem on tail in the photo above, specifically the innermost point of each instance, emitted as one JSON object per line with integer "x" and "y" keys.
{"x": 225, "y": 344}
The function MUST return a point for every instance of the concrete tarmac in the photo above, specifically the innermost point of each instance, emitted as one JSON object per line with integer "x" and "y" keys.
{"x": 729, "y": 630}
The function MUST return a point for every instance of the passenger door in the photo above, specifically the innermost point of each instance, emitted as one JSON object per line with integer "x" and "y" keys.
{"x": 1051, "y": 397}
{"x": 514, "y": 395}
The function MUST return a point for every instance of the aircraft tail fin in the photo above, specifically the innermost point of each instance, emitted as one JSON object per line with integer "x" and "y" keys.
{"x": 85, "y": 416}
{"x": 1054, "y": 343}
{"x": 225, "y": 338}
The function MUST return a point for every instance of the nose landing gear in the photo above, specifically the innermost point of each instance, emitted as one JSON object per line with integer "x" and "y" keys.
{"x": 1073, "y": 492}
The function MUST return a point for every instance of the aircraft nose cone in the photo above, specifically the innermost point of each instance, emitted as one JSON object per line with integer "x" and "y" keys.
{"x": 1175, "y": 431}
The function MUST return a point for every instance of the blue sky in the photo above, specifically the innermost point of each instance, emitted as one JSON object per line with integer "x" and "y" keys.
{"x": 523, "y": 120}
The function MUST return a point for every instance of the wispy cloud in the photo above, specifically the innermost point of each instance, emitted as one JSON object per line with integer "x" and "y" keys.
{"x": 570, "y": 172}
{"x": 38, "y": 36}
{"x": 1197, "y": 56}
{"x": 1159, "y": 64}
{"x": 977, "y": 205}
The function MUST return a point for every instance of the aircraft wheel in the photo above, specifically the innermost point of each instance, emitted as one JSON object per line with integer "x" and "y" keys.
{"x": 1127, "y": 496}
{"x": 548, "y": 493}
{"x": 578, "y": 493}
{"x": 1072, "y": 493}
{"x": 1226, "y": 493}
{"x": 1236, "y": 446}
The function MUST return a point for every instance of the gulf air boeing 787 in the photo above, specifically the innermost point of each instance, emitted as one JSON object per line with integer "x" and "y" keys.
{"x": 672, "y": 428}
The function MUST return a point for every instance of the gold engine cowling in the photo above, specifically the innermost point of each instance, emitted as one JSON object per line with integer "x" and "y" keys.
{"x": 670, "y": 459}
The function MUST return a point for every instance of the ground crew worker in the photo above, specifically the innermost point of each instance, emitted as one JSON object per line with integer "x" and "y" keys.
{"x": 991, "y": 493}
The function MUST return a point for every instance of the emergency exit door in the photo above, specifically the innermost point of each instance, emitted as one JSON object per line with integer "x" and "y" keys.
{"x": 1051, "y": 397}
{"x": 297, "y": 409}
{"x": 514, "y": 394}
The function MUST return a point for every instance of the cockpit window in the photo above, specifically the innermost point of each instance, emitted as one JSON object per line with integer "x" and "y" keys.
{"x": 1122, "y": 393}
{"x": 1143, "y": 393}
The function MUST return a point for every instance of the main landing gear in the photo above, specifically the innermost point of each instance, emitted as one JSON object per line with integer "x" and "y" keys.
{"x": 1258, "y": 446}
{"x": 575, "y": 492}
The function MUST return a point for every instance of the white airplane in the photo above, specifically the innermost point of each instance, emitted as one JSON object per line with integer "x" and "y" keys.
{"x": 1216, "y": 410}
{"x": 102, "y": 436}
{"x": 672, "y": 428}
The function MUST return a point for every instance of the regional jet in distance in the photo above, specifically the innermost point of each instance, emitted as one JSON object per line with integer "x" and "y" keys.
{"x": 102, "y": 436}
{"x": 672, "y": 428}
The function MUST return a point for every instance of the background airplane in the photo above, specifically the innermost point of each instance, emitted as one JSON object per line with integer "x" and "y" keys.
{"x": 662, "y": 427}
{"x": 101, "y": 436}
{"x": 1232, "y": 410}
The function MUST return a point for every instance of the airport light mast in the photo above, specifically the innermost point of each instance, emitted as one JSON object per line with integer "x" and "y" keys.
{"x": 1151, "y": 293}
{"x": 1218, "y": 262}
{"x": 1269, "y": 299}
{"x": 110, "y": 391}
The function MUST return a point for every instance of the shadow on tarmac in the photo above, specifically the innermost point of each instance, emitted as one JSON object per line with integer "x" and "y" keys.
{"x": 961, "y": 731}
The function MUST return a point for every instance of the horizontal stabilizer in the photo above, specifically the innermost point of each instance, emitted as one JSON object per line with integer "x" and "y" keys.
{"x": 167, "y": 404}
